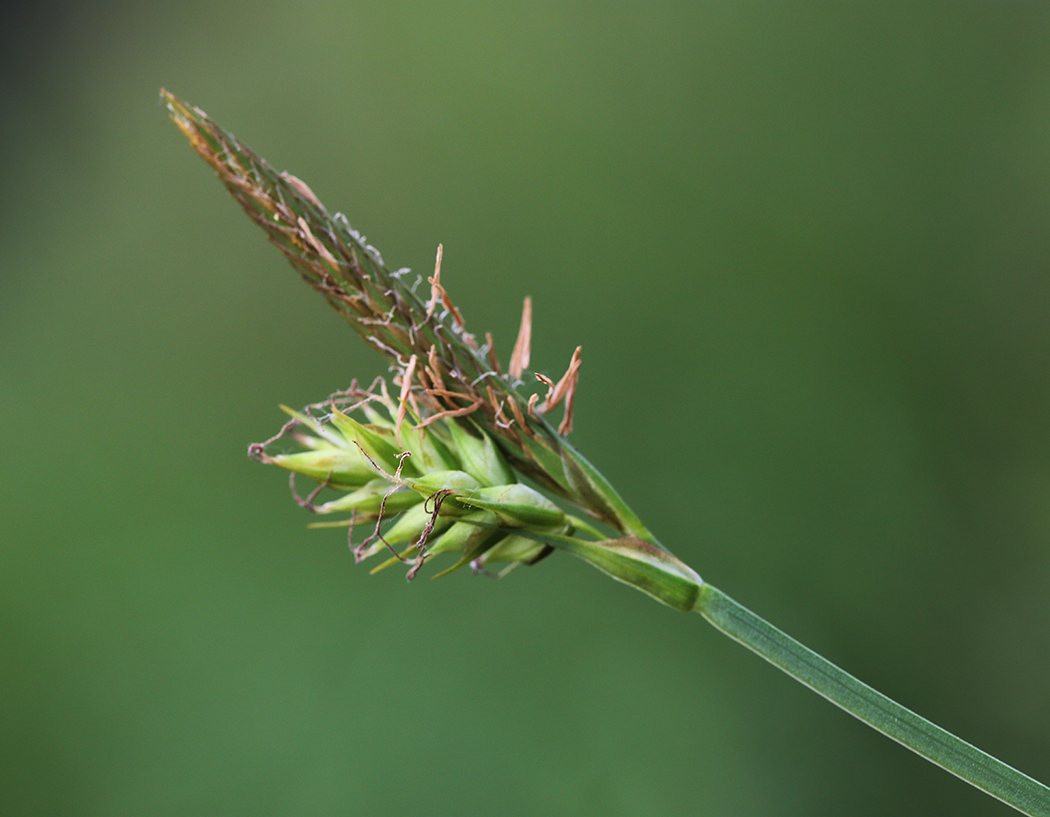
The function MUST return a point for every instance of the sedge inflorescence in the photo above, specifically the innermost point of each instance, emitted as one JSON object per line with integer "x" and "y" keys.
{"x": 443, "y": 466}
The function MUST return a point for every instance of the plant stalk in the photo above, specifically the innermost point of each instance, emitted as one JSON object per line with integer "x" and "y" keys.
{"x": 887, "y": 716}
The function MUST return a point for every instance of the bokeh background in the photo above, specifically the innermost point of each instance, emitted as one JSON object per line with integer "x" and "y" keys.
{"x": 806, "y": 249}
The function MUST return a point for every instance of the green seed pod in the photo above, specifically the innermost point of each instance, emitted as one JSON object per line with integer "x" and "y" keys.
{"x": 340, "y": 467}
{"x": 474, "y": 545}
{"x": 515, "y": 549}
{"x": 408, "y": 528}
{"x": 323, "y": 432}
{"x": 429, "y": 453}
{"x": 314, "y": 443}
{"x": 377, "y": 442}
{"x": 465, "y": 536}
{"x": 518, "y": 506}
{"x": 369, "y": 499}
{"x": 411, "y": 523}
{"x": 480, "y": 457}
{"x": 458, "y": 483}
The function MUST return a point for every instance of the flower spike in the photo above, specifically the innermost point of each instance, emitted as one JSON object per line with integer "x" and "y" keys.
{"x": 452, "y": 481}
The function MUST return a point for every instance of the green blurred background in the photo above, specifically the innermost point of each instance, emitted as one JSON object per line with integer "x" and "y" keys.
{"x": 805, "y": 248}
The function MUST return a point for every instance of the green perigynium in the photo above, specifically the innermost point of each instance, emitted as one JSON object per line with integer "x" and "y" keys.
{"x": 440, "y": 469}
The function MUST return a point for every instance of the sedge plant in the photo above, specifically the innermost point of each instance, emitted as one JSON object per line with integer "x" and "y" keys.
{"x": 460, "y": 457}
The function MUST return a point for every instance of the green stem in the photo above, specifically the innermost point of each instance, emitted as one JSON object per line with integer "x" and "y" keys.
{"x": 875, "y": 709}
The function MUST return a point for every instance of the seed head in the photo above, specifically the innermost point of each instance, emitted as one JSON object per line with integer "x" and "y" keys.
{"x": 439, "y": 366}
{"x": 439, "y": 469}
